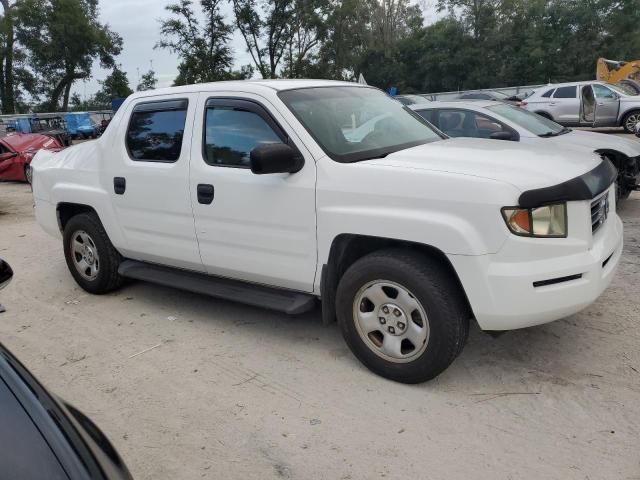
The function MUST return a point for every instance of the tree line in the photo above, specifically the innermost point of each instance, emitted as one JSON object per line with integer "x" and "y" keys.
{"x": 48, "y": 45}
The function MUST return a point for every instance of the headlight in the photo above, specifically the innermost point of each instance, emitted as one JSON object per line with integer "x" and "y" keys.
{"x": 547, "y": 221}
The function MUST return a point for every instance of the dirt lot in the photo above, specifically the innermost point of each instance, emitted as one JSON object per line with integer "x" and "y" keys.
{"x": 233, "y": 392}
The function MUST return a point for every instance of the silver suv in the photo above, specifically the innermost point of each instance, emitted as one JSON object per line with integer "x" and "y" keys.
{"x": 586, "y": 104}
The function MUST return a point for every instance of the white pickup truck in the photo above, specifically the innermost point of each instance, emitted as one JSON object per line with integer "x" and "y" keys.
{"x": 271, "y": 193}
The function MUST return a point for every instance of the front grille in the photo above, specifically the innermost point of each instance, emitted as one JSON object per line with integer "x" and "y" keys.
{"x": 599, "y": 212}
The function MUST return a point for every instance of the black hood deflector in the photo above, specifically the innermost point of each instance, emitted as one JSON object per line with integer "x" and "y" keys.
{"x": 584, "y": 187}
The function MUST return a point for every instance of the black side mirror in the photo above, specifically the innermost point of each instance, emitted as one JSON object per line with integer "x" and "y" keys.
{"x": 6, "y": 274}
{"x": 501, "y": 136}
{"x": 275, "y": 158}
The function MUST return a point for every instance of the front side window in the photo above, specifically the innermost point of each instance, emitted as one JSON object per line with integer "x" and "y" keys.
{"x": 533, "y": 122}
{"x": 602, "y": 92}
{"x": 548, "y": 93}
{"x": 357, "y": 123}
{"x": 565, "y": 92}
{"x": 231, "y": 133}
{"x": 155, "y": 131}
{"x": 466, "y": 123}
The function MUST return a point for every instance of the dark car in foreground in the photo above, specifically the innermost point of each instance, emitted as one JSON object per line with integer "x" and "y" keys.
{"x": 43, "y": 437}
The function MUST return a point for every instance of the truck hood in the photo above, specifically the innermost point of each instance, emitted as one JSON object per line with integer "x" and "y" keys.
{"x": 597, "y": 141}
{"x": 523, "y": 166}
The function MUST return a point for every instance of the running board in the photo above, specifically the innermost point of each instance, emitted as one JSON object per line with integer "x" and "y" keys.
{"x": 286, "y": 301}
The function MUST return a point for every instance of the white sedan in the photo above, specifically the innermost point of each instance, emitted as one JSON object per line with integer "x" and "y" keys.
{"x": 500, "y": 121}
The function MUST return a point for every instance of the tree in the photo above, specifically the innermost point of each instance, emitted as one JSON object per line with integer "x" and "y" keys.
{"x": 204, "y": 53}
{"x": 7, "y": 56}
{"x": 148, "y": 81}
{"x": 63, "y": 38}
{"x": 115, "y": 85}
{"x": 266, "y": 36}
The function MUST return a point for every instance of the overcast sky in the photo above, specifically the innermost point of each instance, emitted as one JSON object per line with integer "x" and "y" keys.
{"x": 137, "y": 22}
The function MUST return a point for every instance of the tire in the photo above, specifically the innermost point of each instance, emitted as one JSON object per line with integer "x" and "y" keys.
{"x": 427, "y": 297}
{"x": 28, "y": 174}
{"x": 630, "y": 120}
{"x": 100, "y": 275}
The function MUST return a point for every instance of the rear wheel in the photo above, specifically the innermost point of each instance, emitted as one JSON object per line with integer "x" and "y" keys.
{"x": 91, "y": 258}
{"x": 630, "y": 121}
{"x": 402, "y": 315}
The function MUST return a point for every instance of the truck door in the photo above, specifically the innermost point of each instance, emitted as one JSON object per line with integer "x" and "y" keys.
{"x": 147, "y": 176}
{"x": 257, "y": 228}
{"x": 607, "y": 106}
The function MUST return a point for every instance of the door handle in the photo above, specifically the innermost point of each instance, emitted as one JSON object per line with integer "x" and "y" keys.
{"x": 119, "y": 185}
{"x": 205, "y": 193}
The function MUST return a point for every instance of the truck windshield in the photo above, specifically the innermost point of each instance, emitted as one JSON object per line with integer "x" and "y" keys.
{"x": 533, "y": 122}
{"x": 357, "y": 123}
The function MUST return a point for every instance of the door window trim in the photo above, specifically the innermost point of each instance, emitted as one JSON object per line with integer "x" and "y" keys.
{"x": 168, "y": 105}
{"x": 247, "y": 105}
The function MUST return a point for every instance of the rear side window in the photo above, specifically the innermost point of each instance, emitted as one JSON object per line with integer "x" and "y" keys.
{"x": 566, "y": 92}
{"x": 548, "y": 93}
{"x": 155, "y": 131}
{"x": 231, "y": 133}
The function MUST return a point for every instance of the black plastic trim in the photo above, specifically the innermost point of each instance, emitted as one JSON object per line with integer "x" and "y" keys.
{"x": 281, "y": 300}
{"x": 161, "y": 106}
{"x": 554, "y": 281}
{"x": 584, "y": 187}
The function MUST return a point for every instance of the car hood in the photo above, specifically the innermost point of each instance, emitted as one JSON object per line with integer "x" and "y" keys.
{"x": 523, "y": 166}
{"x": 597, "y": 141}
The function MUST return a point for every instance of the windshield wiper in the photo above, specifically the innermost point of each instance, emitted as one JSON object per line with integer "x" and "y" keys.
{"x": 555, "y": 134}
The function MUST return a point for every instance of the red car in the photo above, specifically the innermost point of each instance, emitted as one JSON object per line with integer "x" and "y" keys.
{"x": 17, "y": 150}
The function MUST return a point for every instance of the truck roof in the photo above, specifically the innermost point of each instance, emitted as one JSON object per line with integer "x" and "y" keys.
{"x": 242, "y": 85}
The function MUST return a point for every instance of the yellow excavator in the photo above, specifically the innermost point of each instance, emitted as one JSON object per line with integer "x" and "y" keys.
{"x": 619, "y": 72}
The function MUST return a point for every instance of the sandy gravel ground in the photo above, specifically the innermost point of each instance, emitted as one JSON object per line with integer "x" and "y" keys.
{"x": 233, "y": 392}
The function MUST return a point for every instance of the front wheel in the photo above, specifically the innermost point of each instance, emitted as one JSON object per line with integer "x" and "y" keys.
{"x": 402, "y": 314}
{"x": 91, "y": 258}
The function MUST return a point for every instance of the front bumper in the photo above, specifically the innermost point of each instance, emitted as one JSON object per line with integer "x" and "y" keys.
{"x": 501, "y": 290}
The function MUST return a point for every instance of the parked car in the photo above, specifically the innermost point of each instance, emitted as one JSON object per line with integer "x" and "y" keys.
{"x": 17, "y": 151}
{"x": 411, "y": 99}
{"x": 482, "y": 119}
{"x": 253, "y": 192}
{"x": 586, "y": 104}
{"x": 491, "y": 95}
{"x": 81, "y": 125}
{"x": 44, "y": 437}
{"x": 52, "y": 126}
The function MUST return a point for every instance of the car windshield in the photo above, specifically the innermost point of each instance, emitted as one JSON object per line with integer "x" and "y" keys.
{"x": 357, "y": 123}
{"x": 531, "y": 121}
{"x": 623, "y": 89}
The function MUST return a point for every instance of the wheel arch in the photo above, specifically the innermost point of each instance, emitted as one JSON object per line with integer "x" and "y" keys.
{"x": 67, "y": 210}
{"x": 346, "y": 249}
{"x": 626, "y": 113}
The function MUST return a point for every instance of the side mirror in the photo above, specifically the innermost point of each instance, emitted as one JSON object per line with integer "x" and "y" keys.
{"x": 275, "y": 158}
{"x": 501, "y": 136}
{"x": 6, "y": 274}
